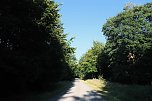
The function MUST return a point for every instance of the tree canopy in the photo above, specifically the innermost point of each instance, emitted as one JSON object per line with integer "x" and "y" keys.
{"x": 34, "y": 51}
{"x": 129, "y": 41}
{"x": 87, "y": 67}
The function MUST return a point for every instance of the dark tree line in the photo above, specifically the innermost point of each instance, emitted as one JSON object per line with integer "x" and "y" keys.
{"x": 34, "y": 51}
{"x": 127, "y": 55}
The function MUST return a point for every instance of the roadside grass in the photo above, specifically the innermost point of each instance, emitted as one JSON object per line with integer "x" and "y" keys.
{"x": 96, "y": 84}
{"x": 119, "y": 92}
{"x": 43, "y": 95}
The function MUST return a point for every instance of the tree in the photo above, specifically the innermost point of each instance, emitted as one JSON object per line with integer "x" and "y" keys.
{"x": 129, "y": 32}
{"x": 87, "y": 64}
{"x": 32, "y": 45}
{"x": 70, "y": 58}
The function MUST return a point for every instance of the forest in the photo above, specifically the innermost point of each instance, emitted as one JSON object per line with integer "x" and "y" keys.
{"x": 126, "y": 57}
{"x": 35, "y": 52}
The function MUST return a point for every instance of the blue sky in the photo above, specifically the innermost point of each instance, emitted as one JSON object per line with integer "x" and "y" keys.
{"x": 83, "y": 19}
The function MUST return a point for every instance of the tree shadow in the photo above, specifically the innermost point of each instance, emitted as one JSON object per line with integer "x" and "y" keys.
{"x": 45, "y": 95}
{"x": 122, "y": 92}
{"x": 90, "y": 96}
{"x": 65, "y": 91}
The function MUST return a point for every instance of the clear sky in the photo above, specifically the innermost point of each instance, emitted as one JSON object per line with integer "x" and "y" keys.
{"x": 83, "y": 19}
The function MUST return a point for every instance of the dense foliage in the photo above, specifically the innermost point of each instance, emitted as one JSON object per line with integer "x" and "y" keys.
{"x": 87, "y": 67}
{"x": 127, "y": 56}
{"x": 34, "y": 52}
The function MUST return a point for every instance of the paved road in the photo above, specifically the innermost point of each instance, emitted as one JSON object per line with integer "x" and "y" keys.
{"x": 79, "y": 92}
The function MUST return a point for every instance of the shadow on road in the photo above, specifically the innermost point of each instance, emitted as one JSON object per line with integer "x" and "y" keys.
{"x": 65, "y": 94}
{"x": 90, "y": 96}
{"x": 70, "y": 95}
{"x": 64, "y": 91}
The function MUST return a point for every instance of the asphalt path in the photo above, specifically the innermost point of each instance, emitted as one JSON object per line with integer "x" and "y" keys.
{"x": 79, "y": 92}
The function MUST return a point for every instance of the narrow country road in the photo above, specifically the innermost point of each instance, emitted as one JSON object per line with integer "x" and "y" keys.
{"x": 79, "y": 92}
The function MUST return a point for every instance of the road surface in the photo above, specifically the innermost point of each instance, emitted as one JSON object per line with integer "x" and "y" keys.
{"x": 79, "y": 92}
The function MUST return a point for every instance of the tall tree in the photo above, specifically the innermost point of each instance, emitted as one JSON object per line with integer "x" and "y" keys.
{"x": 87, "y": 64}
{"x": 32, "y": 44}
{"x": 129, "y": 36}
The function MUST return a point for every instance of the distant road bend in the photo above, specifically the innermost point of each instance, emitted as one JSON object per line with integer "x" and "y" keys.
{"x": 79, "y": 92}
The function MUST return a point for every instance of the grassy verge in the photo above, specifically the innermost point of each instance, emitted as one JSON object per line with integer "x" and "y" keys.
{"x": 118, "y": 92}
{"x": 43, "y": 95}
